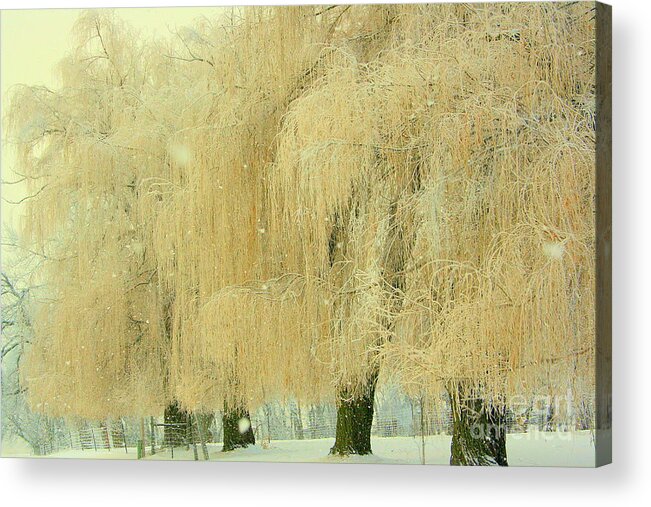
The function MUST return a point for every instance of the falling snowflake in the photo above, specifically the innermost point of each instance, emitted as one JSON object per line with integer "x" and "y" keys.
{"x": 180, "y": 154}
{"x": 553, "y": 249}
{"x": 243, "y": 425}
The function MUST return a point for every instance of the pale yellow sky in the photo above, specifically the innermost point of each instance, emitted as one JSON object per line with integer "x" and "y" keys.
{"x": 34, "y": 41}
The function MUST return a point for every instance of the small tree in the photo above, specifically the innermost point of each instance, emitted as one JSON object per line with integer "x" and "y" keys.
{"x": 40, "y": 432}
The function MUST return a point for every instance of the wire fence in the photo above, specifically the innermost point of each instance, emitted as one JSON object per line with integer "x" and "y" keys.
{"x": 289, "y": 421}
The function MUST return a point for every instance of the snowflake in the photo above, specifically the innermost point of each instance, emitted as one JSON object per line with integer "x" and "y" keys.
{"x": 180, "y": 154}
{"x": 553, "y": 250}
{"x": 243, "y": 425}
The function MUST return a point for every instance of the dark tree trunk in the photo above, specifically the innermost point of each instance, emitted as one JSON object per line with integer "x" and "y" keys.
{"x": 478, "y": 431}
{"x": 354, "y": 421}
{"x": 176, "y": 426}
{"x": 234, "y": 438}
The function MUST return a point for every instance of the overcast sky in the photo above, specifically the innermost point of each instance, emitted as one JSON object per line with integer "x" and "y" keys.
{"x": 34, "y": 41}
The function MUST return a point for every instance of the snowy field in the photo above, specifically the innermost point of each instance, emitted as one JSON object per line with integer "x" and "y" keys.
{"x": 571, "y": 449}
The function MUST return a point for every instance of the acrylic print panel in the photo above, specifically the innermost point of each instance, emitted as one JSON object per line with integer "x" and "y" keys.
{"x": 370, "y": 233}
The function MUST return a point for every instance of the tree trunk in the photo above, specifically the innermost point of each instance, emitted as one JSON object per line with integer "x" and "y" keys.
{"x": 202, "y": 422}
{"x": 354, "y": 421}
{"x": 176, "y": 432}
{"x": 238, "y": 432}
{"x": 478, "y": 431}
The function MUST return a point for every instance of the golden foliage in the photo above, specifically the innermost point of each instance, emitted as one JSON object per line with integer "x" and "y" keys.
{"x": 276, "y": 203}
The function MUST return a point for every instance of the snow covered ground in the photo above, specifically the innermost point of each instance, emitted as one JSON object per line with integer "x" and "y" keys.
{"x": 572, "y": 449}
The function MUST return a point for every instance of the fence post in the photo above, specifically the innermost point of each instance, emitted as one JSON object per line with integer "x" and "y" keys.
{"x": 106, "y": 437}
{"x": 92, "y": 433}
{"x": 124, "y": 436}
{"x": 141, "y": 441}
{"x": 422, "y": 430}
{"x": 152, "y": 435}
{"x": 189, "y": 437}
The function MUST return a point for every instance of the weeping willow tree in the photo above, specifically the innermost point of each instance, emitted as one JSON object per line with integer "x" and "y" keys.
{"x": 211, "y": 235}
{"x": 250, "y": 315}
{"x": 296, "y": 201}
{"x": 349, "y": 226}
{"x": 500, "y": 289}
{"x": 100, "y": 349}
